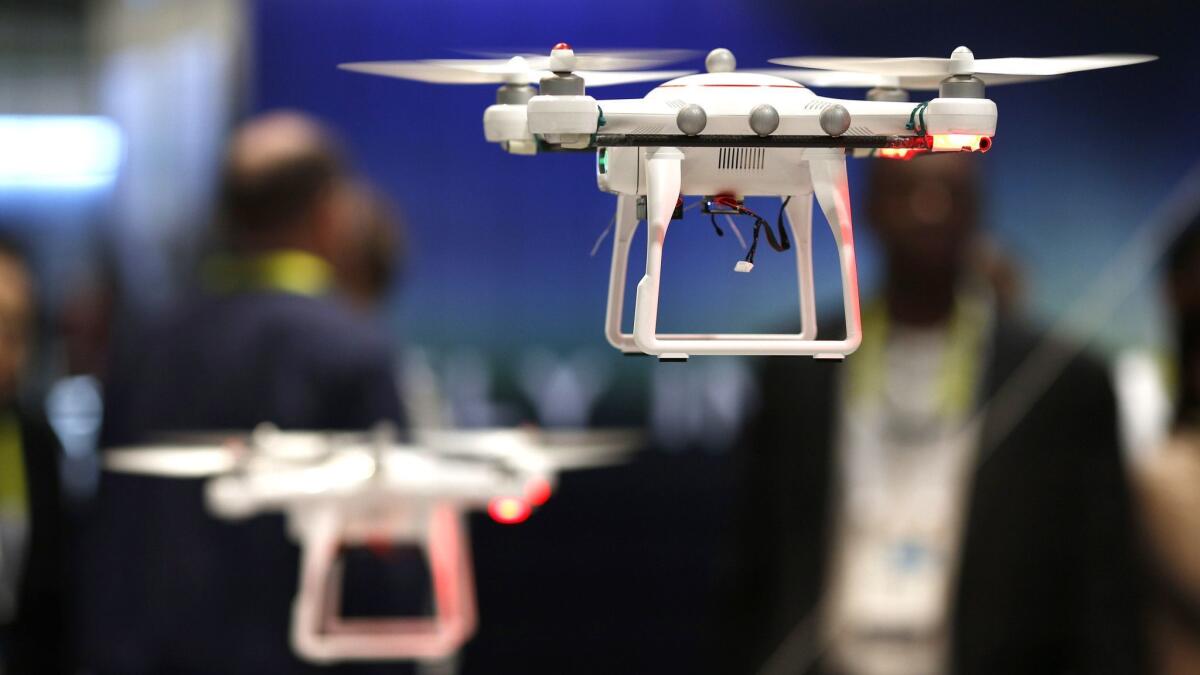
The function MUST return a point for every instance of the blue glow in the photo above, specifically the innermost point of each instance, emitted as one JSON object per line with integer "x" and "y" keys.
{"x": 58, "y": 152}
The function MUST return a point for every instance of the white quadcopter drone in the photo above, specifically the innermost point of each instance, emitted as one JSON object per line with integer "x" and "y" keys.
{"x": 358, "y": 489}
{"x": 724, "y": 135}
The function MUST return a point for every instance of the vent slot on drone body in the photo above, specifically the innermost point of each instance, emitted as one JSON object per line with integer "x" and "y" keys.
{"x": 741, "y": 159}
{"x": 647, "y": 129}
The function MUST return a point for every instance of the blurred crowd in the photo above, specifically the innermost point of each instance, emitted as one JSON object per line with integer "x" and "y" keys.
{"x": 926, "y": 507}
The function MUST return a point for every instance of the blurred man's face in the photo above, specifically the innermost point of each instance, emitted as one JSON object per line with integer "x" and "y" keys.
{"x": 16, "y": 318}
{"x": 924, "y": 212}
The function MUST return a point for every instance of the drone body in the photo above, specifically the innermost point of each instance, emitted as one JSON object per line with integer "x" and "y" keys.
{"x": 725, "y": 135}
{"x": 341, "y": 490}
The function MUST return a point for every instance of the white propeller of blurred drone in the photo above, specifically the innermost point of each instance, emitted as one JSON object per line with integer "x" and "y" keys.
{"x": 538, "y": 449}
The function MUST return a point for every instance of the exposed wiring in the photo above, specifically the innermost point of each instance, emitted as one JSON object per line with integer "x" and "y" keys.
{"x": 916, "y": 118}
{"x": 613, "y": 221}
{"x": 603, "y": 235}
{"x": 782, "y": 243}
{"x": 737, "y": 231}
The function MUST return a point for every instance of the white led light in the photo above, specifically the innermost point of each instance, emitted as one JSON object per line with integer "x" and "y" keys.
{"x": 58, "y": 151}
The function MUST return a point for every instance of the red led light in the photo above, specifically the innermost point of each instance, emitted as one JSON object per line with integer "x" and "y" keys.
{"x": 899, "y": 153}
{"x": 960, "y": 143}
{"x": 561, "y": 45}
{"x": 537, "y": 491}
{"x": 508, "y": 510}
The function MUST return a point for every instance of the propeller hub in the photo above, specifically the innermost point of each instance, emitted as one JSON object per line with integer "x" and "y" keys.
{"x": 562, "y": 58}
{"x": 516, "y": 71}
{"x": 962, "y": 62}
{"x": 720, "y": 60}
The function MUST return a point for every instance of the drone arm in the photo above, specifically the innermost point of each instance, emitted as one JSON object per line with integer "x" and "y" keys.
{"x": 625, "y": 226}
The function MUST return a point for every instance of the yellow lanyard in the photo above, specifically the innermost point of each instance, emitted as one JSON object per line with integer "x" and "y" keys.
{"x": 960, "y": 370}
{"x": 289, "y": 271}
{"x": 13, "y": 492}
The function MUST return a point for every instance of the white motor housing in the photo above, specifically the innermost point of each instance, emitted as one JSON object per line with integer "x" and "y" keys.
{"x": 975, "y": 116}
{"x": 563, "y": 119}
{"x": 505, "y": 122}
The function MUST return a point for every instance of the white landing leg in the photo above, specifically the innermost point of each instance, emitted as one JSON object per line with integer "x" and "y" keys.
{"x": 832, "y": 189}
{"x": 799, "y": 216}
{"x": 623, "y": 231}
{"x": 662, "y": 193}
{"x": 832, "y": 193}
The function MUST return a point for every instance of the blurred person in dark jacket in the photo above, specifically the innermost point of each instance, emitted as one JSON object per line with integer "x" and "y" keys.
{"x": 370, "y": 256}
{"x": 33, "y": 595}
{"x": 1169, "y": 480}
{"x": 263, "y": 339}
{"x": 898, "y": 517}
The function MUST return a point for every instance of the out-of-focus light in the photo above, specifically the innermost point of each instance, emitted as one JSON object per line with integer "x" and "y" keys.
{"x": 58, "y": 152}
{"x": 508, "y": 510}
{"x": 961, "y": 143}
{"x": 899, "y": 153}
{"x": 537, "y": 491}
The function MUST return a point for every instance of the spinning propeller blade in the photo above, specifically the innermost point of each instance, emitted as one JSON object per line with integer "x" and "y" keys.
{"x": 608, "y": 78}
{"x": 602, "y": 59}
{"x": 598, "y": 69}
{"x": 963, "y": 62}
{"x": 426, "y": 71}
{"x": 172, "y": 461}
{"x": 535, "y": 448}
{"x": 848, "y": 78}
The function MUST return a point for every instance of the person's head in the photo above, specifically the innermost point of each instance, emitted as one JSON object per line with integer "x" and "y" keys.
{"x": 370, "y": 252}
{"x": 17, "y": 309}
{"x": 925, "y": 213}
{"x": 1183, "y": 299}
{"x": 283, "y": 184}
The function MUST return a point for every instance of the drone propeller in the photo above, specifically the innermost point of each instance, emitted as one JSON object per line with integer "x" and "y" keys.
{"x": 598, "y": 69}
{"x": 173, "y": 461}
{"x": 963, "y": 62}
{"x": 866, "y": 80}
{"x": 535, "y": 448}
{"x": 603, "y": 59}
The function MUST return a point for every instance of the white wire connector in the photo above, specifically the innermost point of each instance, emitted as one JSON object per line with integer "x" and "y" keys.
{"x": 743, "y": 266}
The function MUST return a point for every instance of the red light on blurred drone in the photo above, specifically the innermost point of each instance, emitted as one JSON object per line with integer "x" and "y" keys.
{"x": 508, "y": 510}
{"x": 561, "y": 45}
{"x": 537, "y": 491}
{"x": 899, "y": 153}
{"x": 961, "y": 143}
